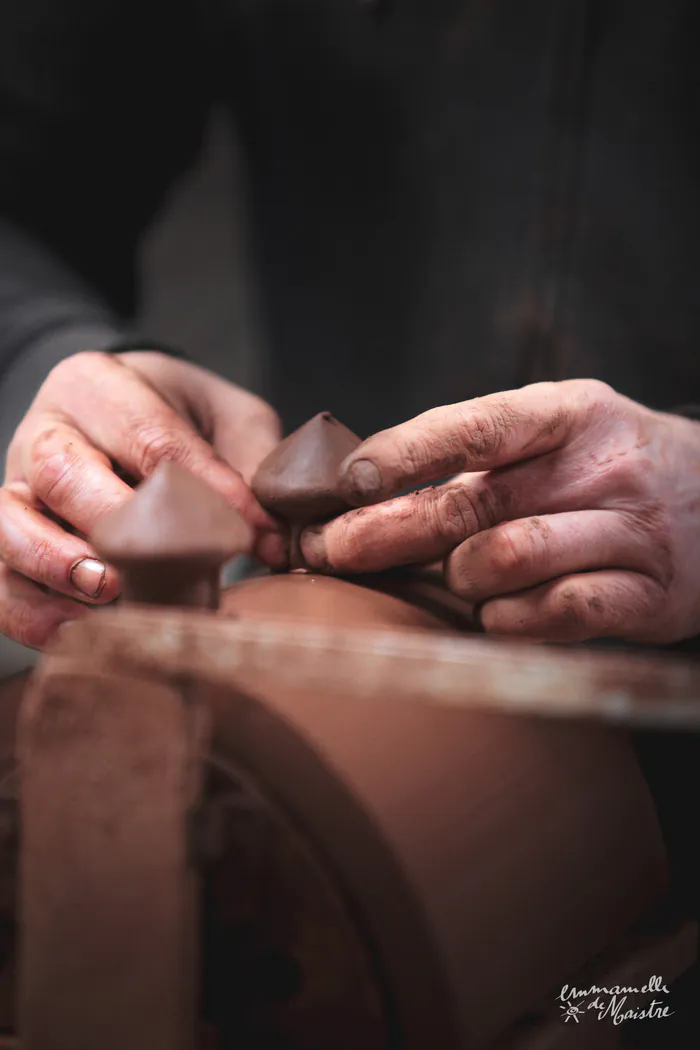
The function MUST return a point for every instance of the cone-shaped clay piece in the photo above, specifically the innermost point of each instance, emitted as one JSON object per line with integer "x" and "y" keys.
{"x": 299, "y": 479}
{"x": 171, "y": 539}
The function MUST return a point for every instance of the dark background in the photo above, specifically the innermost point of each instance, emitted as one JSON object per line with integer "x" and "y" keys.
{"x": 197, "y": 290}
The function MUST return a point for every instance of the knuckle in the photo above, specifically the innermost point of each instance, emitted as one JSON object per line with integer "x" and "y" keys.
{"x": 566, "y": 604}
{"x": 153, "y": 444}
{"x": 261, "y": 413}
{"x": 630, "y": 484}
{"x": 455, "y": 516}
{"x": 346, "y": 541}
{"x": 415, "y": 455}
{"x": 77, "y": 366}
{"x": 571, "y": 608}
{"x": 623, "y": 470}
{"x": 51, "y": 464}
{"x": 482, "y": 433}
{"x": 433, "y": 447}
{"x": 593, "y": 392}
{"x": 505, "y": 553}
{"x": 39, "y": 554}
{"x": 535, "y": 536}
{"x": 264, "y": 420}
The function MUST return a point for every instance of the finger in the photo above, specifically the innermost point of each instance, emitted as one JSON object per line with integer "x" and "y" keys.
{"x": 67, "y": 474}
{"x": 520, "y": 554}
{"x": 77, "y": 483}
{"x": 42, "y": 551}
{"x": 430, "y": 523}
{"x": 242, "y": 427}
{"x": 610, "y": 603}
{"x": 245, "y": 442}
{"x": 124, "y": 417}
{"x": 481, "y": 434}
{"x": 28, "y": 615}
{"x": 414, "y": 529}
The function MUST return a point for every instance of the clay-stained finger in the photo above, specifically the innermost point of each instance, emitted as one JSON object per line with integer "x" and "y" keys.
{"x": 414, "y": 529}
{"x": 35, "y": 547}
{"x": 30, "y": 616}
{"x": 519, "y": 554}
{"x": 476, "y": 435}
{"x": 67, "y": 474}
{"x": 133, "y": 425}
{"x": 610, "y": 603}
{"x": 430, "y": 523}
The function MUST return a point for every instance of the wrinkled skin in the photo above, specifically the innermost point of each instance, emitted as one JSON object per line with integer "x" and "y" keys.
{"x": 96, "y": 421}
{"x": 574, "y": 513}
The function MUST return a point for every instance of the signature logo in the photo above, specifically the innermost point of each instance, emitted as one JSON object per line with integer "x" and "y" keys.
{"x": 618, "y": 1003}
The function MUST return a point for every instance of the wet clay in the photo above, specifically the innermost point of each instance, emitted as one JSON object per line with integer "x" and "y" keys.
{"x": 487, "y": 856}
{"x": 327, "y": 600}
{"x": 170, "y": 540}
{"x": 298, "y": 481}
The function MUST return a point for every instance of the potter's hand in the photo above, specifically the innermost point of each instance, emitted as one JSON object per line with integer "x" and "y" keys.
{"x": 96, "y": 420}
{"x": 579, "y": 516}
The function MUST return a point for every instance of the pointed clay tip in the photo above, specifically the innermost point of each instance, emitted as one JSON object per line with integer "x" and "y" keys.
{"x": 299, "y": 479}
{"x": 173, "y": 515}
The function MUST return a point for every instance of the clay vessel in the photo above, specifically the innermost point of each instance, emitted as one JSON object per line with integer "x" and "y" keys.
{"x": 485, "y": 857}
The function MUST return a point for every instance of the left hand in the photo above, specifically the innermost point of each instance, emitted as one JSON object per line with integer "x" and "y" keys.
{"x": 98, "y": 424}
{"x": 576, "y": 515}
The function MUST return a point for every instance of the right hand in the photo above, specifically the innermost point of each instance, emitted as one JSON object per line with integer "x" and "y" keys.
{"x": 96, "y": 420}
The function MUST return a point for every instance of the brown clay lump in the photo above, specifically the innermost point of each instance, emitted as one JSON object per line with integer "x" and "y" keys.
{"x": 171, "y": 539}
{"x": 298, "y": 481}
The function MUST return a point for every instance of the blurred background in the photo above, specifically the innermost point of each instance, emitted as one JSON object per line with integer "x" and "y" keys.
{"x": 197, "y": 291}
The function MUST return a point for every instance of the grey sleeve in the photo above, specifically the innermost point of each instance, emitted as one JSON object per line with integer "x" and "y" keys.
{"x": 46, "y": 314}
{"x": 102, "y": 107}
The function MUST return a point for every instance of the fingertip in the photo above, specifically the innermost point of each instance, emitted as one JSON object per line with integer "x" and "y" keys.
{"x": 360, "y": 481}
{"x": 273, "y": 549}
{"x": 88, "y": 576}
{"x": 111, "y": 589}
{"x": 313, "y": 548}
{"x": 93, "y": 581}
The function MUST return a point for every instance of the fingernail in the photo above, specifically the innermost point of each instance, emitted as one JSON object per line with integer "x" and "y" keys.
{"x": 313, "y": 548}
{"x": 88, "y": 577}
{"x": 361, "y": 482}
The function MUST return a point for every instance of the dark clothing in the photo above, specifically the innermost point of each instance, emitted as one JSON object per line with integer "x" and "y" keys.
{"x": 449, "y": 198}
